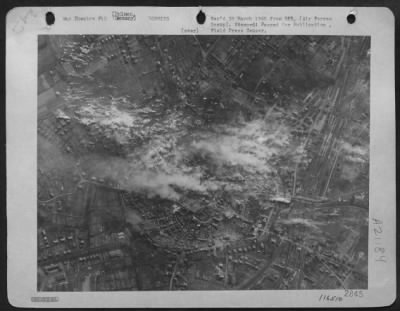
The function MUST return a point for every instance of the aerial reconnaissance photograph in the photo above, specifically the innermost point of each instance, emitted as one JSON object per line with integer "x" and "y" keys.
{"x": 202, "y": 162}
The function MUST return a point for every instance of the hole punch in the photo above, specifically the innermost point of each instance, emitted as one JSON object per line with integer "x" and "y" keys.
{"x": 201, "y": 17}
{"x": 351, "y": 18}
{"x": 50, "y": 18}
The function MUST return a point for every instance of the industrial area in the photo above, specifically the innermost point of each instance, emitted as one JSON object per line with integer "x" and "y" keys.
{"x": 202, "y": 162}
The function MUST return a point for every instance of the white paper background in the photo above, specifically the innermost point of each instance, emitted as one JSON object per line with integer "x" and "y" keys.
{"x": 23, "y": 26}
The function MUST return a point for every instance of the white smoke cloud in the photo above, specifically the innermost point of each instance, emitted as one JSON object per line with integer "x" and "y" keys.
{"x": 301, "y": 221}
{"x": 357, "y": 154}
{"x": 115, "y": 122}
{"x": 131, "y": 176}
{"x": 157, "y": 168}
{"x": 250, "y": 146}
{"x": 162, "y": 185}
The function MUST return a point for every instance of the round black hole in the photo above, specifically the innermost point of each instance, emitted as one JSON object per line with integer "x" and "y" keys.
{"x": 351, "y": 18}
{"x": 50, "y": 18}
{"x": 201, "y": 17}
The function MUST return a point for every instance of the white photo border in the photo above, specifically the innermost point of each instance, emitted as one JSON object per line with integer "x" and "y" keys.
{"x": 24, "y": 24}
